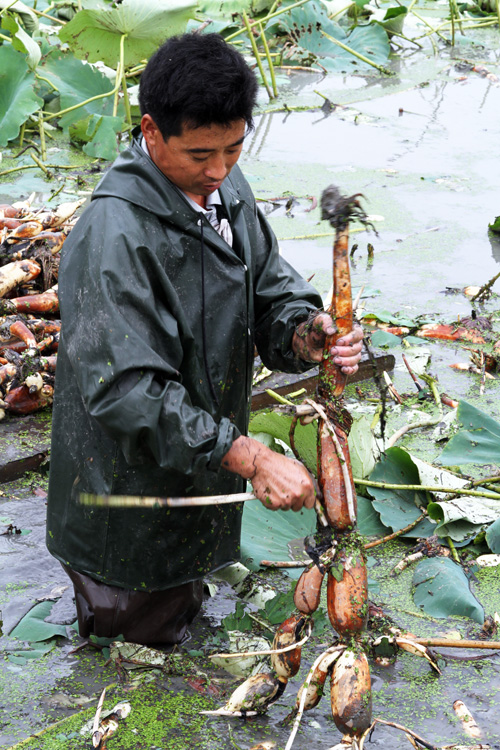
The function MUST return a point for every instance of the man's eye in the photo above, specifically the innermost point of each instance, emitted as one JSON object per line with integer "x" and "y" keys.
{"x": 199, "y": 158}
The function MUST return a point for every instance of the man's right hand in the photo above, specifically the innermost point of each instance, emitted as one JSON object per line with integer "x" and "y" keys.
{"x": 280, "y": 483}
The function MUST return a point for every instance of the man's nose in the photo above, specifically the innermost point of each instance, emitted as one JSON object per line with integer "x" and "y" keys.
{"x": 216, "y": 169}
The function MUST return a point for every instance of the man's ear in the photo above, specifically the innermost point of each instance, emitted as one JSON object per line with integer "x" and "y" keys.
{"x": 150, "y": 130}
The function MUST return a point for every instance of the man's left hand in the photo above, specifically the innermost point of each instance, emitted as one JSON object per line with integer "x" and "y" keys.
{"x": 309, "y": 343}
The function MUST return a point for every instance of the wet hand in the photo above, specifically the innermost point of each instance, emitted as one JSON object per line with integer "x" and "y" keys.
{"x": 280, "y": 483}
{"x": 347, "y": 351}
{"x": 309, "y": 342}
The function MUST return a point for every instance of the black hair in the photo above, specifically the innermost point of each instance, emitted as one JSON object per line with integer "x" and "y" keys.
{"x": 197, "y": 80}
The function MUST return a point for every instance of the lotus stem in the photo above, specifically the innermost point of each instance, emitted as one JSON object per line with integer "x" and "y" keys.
{"x": 390, "y": 537}
{"x": 269, "y": 61}
{"x": 59, "y": 21}
{"x": 126, "y": 100}
{"x": 285, "y": 563}
{"x": 407, "y": 731}
{"x": 280, "y": 399}
{"x": 256, "y": 54}
{"x": 40, "y": 165}
{"x": 137, "y": 501}
{"x": 318, "y": 234}
{"x": 361, "y": 57}
{"x": 426, "y": 488}
{"x": 265, "y": 19}
{"x": 43, "y": 147}
{"x": 35, "y": 166}
{"x": 453, "y": 549}
{"x": 269, "y": 652}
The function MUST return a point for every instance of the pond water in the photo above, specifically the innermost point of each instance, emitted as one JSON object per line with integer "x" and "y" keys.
{"x": 423, "y": 150}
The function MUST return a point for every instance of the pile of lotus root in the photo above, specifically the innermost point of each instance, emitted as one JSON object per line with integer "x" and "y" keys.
{"x": 30, "y": 244}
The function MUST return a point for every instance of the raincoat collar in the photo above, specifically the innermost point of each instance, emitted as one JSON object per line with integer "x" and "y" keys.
{"x": 151, "y": 190}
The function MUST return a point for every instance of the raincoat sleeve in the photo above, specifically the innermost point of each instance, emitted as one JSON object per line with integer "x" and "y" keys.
{"x": 121, "y": 321}
{"x": 282, "y": 300}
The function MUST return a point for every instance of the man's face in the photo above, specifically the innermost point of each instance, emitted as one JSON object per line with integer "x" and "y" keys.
{"x": 197, "y": 160}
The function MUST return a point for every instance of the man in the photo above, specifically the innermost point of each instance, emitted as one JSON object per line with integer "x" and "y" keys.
{"x": 168, "y": 280}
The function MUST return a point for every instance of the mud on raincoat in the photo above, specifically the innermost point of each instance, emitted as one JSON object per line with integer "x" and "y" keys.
{"x": 159, "y": 320}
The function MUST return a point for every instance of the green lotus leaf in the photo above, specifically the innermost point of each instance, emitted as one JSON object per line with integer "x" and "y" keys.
{"x": 398, "y": 508}
{"x": 95, "y": 35}
{"x": 76, "y": 83}
{"x": 479, "y": 441}
{"x": 33, "y": 627}
{"x": 22, "y": 42}
{"x": 442, "y": 589}
{"x": 17, "y": 98}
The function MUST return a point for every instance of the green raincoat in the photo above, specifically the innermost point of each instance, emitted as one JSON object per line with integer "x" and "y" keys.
{"x": 160, "y": 316}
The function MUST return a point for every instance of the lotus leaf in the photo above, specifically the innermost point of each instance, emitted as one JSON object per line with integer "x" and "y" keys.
{"x": 33, "y": 627}
{"x": 95, "y": 35}
{"x": 385, "y": 339}
{"x": 493, "y": 537}
{"x": 22, "y": 41}
{"x": 265, "y": 534}
{"x": 17, "y": 98}
{"x": 28, "y": 17}
{"x": 442, "y": 589}
{"x": 98, "y": 132}
{"x": 305, "y": 26}
{"x": 77, "y": 82}
{"x": 478, "y": 443}
{"x": 398, "y": 508}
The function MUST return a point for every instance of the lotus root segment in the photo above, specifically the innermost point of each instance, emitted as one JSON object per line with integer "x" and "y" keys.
{"x": 256, "y": 693}
{"x": 351, "y": 697}
{"x": 287, "y": 664}
{"x": 307, "y": 594}
{"x": 331, "y": 479}
{"x": 347, "y": 594}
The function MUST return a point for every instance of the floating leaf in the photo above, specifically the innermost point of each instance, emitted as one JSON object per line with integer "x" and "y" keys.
{"x": 21, "y": 656}
{"x": 17, "y": 99}
{"x": 442, "y": 589}
{"x": 398, "y": 508}
{"x": 265, "y": 534}
{"x": 418, "y": 357}
{"x": 384, "y": 316}
{"x": 33, "y": 627}
{"x": 95, "y": 35}
{"x": 493, "y": 537}
{"x": 385, "y": 339}
{"x": 226, "y": 8}
{"x": 369, "y": 523}
{"x": 244, "y": 666}
{"x": 478, "y": 443}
